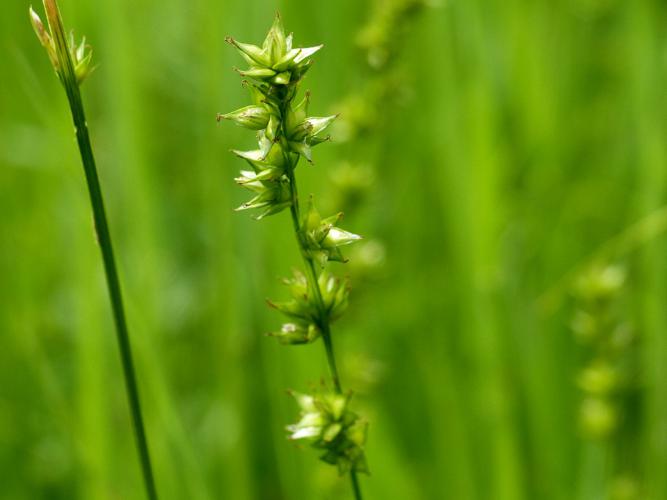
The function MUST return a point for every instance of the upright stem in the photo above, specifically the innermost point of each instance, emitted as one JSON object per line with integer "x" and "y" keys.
{"x": 355, "y": 485}
{"x": 311, "y": 276}
{"x": 331, "y": 358}
{"x": 113, "y": 285}
{"x": 68, "y": 77}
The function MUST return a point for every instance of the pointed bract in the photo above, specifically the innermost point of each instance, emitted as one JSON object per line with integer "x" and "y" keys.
{"x": 276, "y": 43}
{"x": 79, "y": 54}
{"x": 252, "y": 53}
{"x": 306, "y": 53}
{"x": 252, "y": 117}
{"x": 44, "y": 38}
{"x": 323, "y": 238}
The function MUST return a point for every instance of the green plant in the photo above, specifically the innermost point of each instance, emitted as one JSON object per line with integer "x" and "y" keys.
{"x": 286, "y": 133}
{"x": 72, "y": 64}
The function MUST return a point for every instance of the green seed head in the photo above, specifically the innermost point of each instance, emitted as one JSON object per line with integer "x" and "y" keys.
{"x": 303, "y": 309}
{"x": 275, "y": 62}
{"x": 598, "y": 418}
{"x": 335, "y": 293}
{"x": 328, "y": 425}
{"x": 323, "y": 237}
{"x": 600, "y": 283}
{"x": 598, "y": 379}
{"x": 284, "y": 131}
{"x": 71, "y": 61}
{"x": 297, "y": 333}
{"x": 381, "y": 37}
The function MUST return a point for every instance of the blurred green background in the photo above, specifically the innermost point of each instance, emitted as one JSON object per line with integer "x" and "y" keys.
{"x": 508, "y": 143}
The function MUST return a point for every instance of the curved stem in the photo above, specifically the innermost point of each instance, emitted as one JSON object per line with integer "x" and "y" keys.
{"x": 311, "y": 276}
{"x": 68, "y": 78}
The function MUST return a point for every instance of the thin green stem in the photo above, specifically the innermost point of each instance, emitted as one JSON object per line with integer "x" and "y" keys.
{"x": 331, "y": 358}
{"x": 113, "y": 284}
{"x": 311, "y": 275}
{"x": 68, "y": 78}
{"x": 355, "y": 485}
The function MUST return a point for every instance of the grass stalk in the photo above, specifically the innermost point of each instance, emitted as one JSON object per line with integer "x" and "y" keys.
{"x": 71, "y": 75}
{"x": 113, "y": 284}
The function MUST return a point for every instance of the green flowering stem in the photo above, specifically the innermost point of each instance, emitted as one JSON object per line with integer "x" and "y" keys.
{"x": 285, "y": 133}
{"x": 324, "y": 324}
{"x": 312, "y": 279}
{"x": 63, "y": 56}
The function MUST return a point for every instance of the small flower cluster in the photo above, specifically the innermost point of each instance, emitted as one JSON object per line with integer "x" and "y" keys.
{"x": 304, "y": 307}
{"x": 284, "y": 130}
{"x": 276, "y": 62}
{"x": 285, "y": 133}
{"x": 80, "y": 54}
{"x": 328, "y": 424}
{"x": 323, "y": 238}
{"x": 607, "y": 340}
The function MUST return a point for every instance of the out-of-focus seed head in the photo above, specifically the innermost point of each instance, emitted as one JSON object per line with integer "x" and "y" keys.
{"x": 600, "y": 283}
{"x": 381, "y": 37}
{"x": 598, "y": 379}
{"x": 598, "y": 418}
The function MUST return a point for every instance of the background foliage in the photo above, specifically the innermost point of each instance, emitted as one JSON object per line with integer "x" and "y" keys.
{"x": 521, "y": 138}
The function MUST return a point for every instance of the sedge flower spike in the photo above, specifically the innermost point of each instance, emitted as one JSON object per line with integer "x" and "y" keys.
{"x": 286, "y": 131}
